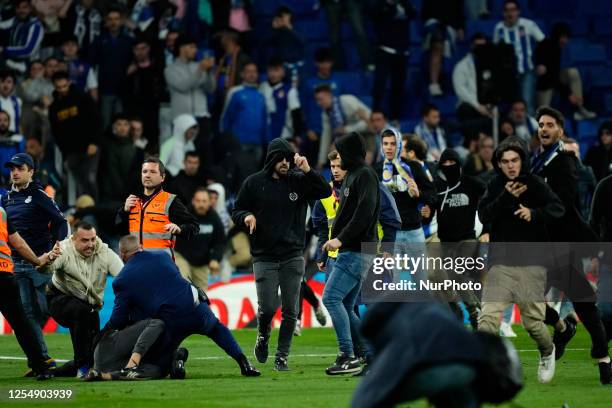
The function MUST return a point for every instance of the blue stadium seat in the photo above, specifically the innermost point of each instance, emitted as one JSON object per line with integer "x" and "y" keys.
{"x": 608, "y": 102}
{"x": 579, "y": 26}
{"x": 602, "y": 26}
{"x": 601, "y": 77}
{"x": 587, "y": 129}
{"x": 266, "y": 7}
{"x": 585, "y": 53}
{"x": 407, "y": 126}
{"x": 353, "y": 82}
{"x": 312, "y": 29}
{"x": 483, "y": 26}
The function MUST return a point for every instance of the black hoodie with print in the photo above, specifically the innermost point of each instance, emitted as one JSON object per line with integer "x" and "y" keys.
{"x": 279, "y": 205}
{"x": 359, "y": 208}
{"x": 457, "y": 199}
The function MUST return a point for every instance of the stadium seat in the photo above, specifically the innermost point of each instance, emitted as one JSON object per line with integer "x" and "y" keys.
{"x": 483, "y": 26}
{"x": 407, "y": 126}
{"x": 266, "y": 7}
{"x": 587, "y": 129}
{"x": 311, "y": 29}
{"x": 584, "y": 53}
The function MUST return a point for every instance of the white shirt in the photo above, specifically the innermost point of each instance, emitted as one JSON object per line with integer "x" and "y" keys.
{"x": 522, "y": 36}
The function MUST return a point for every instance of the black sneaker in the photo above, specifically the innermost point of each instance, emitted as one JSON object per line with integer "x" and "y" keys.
{"x": 68, "y": 369}
{"x": 261, "y": 349}
{"x": 605, "y": 373}
{"x": 280, "y": 364}
{"x": 246, "y": 368}
{"x": 344, "y": 365}
{"x": 560, "y": 339}
{"x": 132, "y": 374}
{"x": 179, "y": 358}
{"x": 45, "y": 374}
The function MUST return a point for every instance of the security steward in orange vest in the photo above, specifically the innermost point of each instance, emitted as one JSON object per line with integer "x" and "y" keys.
{"x": 10, "y": 302}
{"x": 156, "y": 216}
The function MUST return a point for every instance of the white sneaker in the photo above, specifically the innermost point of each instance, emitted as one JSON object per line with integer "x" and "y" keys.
{"x": 435, "y": 90}
{"x": 505, "y": 330}
{"x": 298, "y": 329}
{"x": 546, "y": 368}
{"x": 584, "y": 114}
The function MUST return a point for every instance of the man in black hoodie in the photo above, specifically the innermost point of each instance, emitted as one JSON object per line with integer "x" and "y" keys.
{"x": 558, "y": 168}
{"x": 355, "y": 223}
{"x": 456, "y": 206}
{"x": 272, "y": 204}
{"x": 74, "y": 124}
{"x": 519, "y": 208}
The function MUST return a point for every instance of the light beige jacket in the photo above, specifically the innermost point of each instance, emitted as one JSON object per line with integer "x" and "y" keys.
{"x": 84, "y": 278}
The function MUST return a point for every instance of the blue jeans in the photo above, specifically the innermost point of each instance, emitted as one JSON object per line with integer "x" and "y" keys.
{"x": 341, "y": 292}
{"x": 32, "y": 290}
{"x": 411, "y": 243}
{"x": 527, "y": 83}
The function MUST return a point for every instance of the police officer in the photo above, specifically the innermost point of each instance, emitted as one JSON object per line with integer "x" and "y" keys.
{"x": 36, "y": 217}
{"x": 155, "y": 216}
{"x": 10, "y": 306}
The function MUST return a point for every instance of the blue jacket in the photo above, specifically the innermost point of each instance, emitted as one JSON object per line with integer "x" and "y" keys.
{"x": 112, "y": 56}
{"x": 36, "y": 217}
{"x": 25, "y": 38}
{"x": 150, "y": 285}
{"x": 245, "y": 115}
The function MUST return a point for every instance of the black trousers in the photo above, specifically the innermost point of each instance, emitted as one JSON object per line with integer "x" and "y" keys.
{"x": 573, "y": 283}
{"x": 11, "y": 309}
{"x": 391, "y": 66}
{"x": 81, "y": 319}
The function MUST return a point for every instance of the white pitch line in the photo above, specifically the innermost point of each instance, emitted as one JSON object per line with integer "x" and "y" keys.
{"x": 292, "y": 355}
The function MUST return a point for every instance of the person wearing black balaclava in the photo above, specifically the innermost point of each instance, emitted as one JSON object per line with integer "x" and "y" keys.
{"x": 272, "y": 205}
{"x": 456, "y": 206}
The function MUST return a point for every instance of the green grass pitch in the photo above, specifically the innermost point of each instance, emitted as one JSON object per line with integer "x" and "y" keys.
{"x": 213, "y": 380}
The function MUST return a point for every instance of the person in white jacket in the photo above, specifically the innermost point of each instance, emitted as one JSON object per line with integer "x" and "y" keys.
{"x": 341, "y": 115}
{"x": 172, "y": 152}
{"x": 76, "y": 291}
{"x": 473, "y": 115}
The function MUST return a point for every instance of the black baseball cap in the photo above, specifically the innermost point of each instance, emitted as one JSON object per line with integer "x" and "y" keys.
{"x": 20, "y": 159}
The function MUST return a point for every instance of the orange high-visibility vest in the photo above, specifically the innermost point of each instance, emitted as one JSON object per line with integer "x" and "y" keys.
{"x": 147, "y": 221}
{"x": 6, "y": 261}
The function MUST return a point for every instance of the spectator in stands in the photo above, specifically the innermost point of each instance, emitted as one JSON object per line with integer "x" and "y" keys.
{"x": 334, "y": 10}
{"x": 229, "y": 69}
{"x": 36, "y": 93}
{"x": 523, "y": 34}
{"x": 586, "y": 179}
{"x": 40, "y": 223}
{"x": 506, "y": 129}
{"x": 11, "y": 143}
{"x": 84, "y": 21}
{"x": 378, "y": 123}
{"x": 340, "y": 115}
{"x": 444, "y": 24}
{"x": 117, "y": 160}
{"x": 48, "y": 12}
{"x": 555, "y": 72}
{"x": 45, "y": 165}
{"x": 600, "y": 157}
{"x": 216, "y": 192}
{"x": 75, "y": 124}
{"x": 81, "y": 73}
{"x": 172, "y": 152}
{"x": 393, "y": 35}
{"x": 201, "y": 255}
{"x": 245, "y": 116}
{"x": 25, "y": 34}
{"x": 76, "y": 292}
{"x": 283, "y": 103}
{"x": 189, "y": 83}
{"x": 186, "y": 182}
{"x": 9, "y": 102}
{"x": 525, "y": 126}
{"x": 283, "y": 42}
{"x": 480, "y": 164}
{"x": 474, "y": 116}
{"x": 137, "y": 134}
{"x": 111, "y": 54}
{"x": 431, "y": 132}
{"x": 144, "y": 88}
{"x": 169, "y": 46}
{"x": 476, "y": 9}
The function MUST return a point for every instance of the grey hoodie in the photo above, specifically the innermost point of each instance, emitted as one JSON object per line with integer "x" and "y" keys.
{"x": 188, "y": 86}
